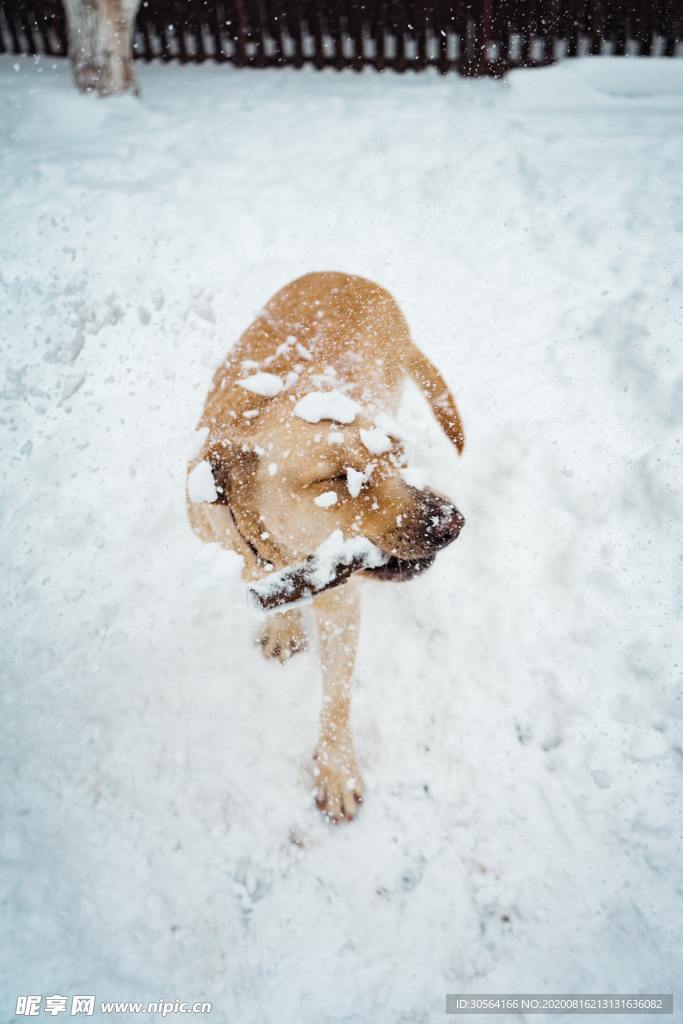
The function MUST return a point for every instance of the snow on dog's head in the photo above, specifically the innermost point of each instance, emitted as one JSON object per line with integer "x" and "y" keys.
{"x": 319, "y": 463}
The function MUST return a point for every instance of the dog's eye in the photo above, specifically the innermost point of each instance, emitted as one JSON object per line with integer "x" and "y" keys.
{"x": 338, "y": 478}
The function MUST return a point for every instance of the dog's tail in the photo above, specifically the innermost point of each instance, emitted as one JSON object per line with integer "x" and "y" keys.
{"x": 434, "y": 388}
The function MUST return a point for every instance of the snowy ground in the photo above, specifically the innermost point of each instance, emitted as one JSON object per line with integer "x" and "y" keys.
{"x": 517, "y": 709}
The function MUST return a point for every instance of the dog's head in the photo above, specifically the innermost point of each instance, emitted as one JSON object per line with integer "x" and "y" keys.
{"x": 298, "y": 478}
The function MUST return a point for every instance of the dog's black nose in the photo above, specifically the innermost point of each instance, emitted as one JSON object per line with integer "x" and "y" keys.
{"x": 441, "y": 522}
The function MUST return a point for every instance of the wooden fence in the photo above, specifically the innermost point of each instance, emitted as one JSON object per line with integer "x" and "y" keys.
{"x": 473, "y": 38}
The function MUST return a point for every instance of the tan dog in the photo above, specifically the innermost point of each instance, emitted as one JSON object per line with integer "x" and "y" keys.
{"x": 297, "y": 442}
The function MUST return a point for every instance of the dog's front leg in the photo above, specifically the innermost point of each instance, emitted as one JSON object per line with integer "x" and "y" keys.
{"x": 339, "y": 787}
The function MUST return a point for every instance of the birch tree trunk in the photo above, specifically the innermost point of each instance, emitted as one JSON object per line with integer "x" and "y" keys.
{"x": 100, "y": 36}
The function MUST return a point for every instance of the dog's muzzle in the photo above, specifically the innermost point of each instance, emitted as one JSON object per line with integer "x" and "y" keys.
{"x": 440, "y": 525}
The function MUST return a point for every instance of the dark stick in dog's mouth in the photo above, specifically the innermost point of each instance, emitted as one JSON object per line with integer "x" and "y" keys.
{"x": 329, "y": 566}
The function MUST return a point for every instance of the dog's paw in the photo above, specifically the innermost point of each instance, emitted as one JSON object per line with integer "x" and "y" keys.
{"x": 282, "y": 635}
{"x": 338, "y": 790}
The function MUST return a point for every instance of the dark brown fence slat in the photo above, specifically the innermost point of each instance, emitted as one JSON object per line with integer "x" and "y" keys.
{"x": 672, "y": 26}
{"x": 464, "y": 63}
{"x": 251, "y": 31}
{"x": 214, "y": 16}
{"x": 548, "y": 26}
{"x": 379, "y": 21}
{"x": 595, "y": 27}
{"x": 575, "y": 22}
{"x": 313, "y": 33}
{"x": 162, "y": 30}
{"x": 142, "y": 39}
{"x": 501, "y": 35}
{"x": 334, "y": 20}
{"x": 14, "y": 45}
{"x": 439, "y": 25}
{"x": 40, "y": 32}
{"x": 526, "y": 31}
{"x": 421, "y": 20}
{"x": 295, "y": 18}
{"x": 274, "y": 24}
{"x": 236, "y": 20}
{"x": 621, "y": 28}
{"x": 198, "y": 24}
{"x": 179, "y": 30}
{"x": 474, "y": 37}
{"x": 644, "y": 28}
{"x": 355, "y": 23}
{"x": 27, "y": 29}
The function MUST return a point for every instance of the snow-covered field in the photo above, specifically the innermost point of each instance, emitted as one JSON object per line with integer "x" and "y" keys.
{"x": 517, "y": 709}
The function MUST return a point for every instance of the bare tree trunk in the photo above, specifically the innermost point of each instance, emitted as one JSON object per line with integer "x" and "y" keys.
{"x": 100, "y": 34}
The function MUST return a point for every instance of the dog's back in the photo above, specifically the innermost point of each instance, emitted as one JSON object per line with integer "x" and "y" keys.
{"x": 325, "y": 322}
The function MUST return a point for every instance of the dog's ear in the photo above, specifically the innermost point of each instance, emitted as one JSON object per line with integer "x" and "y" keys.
{"x": 222, "y": 472}
{"x": 219, "y": 458}
{"x": 233, "y": 468}
{"x": 436, "y": 391}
